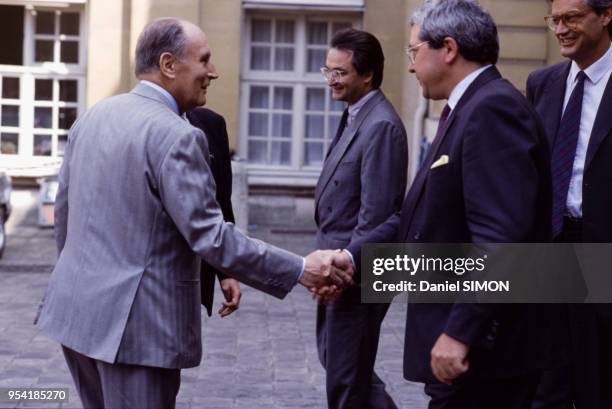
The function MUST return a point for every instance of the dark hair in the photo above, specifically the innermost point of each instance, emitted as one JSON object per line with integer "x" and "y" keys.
{"x": 367, "y": 53}
{"x": 471, "y": 26}
{"x": 164, "y": 35}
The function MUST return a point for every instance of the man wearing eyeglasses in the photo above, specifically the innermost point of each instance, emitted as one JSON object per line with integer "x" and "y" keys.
{"x": 485, "y": 179}
{"x": 362, "y": 182}
{"x": 574, "y": 99}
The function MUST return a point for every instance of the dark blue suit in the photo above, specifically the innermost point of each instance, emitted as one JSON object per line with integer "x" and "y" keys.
{"x": 591, "y": 325}
{"x": 496, "y": 187}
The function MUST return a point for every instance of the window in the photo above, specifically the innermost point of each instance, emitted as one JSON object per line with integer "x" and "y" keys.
{"x": 42, "y": 76}
{"x": 288, "y": 115}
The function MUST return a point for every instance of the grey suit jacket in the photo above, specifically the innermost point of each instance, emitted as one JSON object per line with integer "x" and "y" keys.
{"x": 136, "y": 200}
{"x": 363, "y": 180}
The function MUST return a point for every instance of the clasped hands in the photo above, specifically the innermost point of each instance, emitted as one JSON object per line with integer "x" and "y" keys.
{"x": 327, "y": 273}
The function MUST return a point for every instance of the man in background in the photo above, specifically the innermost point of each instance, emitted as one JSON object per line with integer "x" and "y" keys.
{"x": 574, "y": 100}
{"x": 215, "y": 130}
{"x": 362, "y": 183}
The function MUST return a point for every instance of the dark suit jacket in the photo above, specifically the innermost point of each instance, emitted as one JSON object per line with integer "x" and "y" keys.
{"x": 496, "y": 187}
{"x": 350, "y": 199}
{"x": 213, "y": 126}
{"x": 546, "y": 91}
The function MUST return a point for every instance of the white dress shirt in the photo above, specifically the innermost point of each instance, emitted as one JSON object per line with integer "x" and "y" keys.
{"x": 598, "y": 75}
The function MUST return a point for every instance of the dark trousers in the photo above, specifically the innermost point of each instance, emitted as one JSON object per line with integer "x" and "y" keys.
{"x": 347, "y": 340}
{"x": 509, "y": 393}
{"x": 111, "y": 386}
{"x": 587, "y": 381}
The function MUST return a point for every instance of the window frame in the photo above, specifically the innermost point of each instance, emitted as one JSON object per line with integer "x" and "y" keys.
{"x": 32, "y": 70}
{"x": 296, "y": 173}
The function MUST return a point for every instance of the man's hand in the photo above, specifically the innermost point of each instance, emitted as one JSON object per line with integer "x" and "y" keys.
{"x": 321, "y": 271}
{"x": 449, "y": 359}
{"x": 232, "y": 294}
{"x": 330, "y": 293}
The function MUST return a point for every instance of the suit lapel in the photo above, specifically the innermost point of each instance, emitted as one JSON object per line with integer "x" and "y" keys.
{"x": 416, "y": 190}
{"x": 333, "y": 160}
{"x": 552, "y": 102}
{"x": 601, "y": 127}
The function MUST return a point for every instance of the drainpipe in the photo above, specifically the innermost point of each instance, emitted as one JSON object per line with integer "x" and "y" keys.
{"x": 418, "y": 136}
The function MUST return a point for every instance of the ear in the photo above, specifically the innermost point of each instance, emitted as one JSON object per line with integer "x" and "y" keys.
{"x": 607, "y": 16}
{"x": 368, "y": 78}
{"x": 452, "y": 50}
{"x": 167, "y": 65}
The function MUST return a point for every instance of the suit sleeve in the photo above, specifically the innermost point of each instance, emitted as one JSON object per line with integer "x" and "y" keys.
{"x": 384, "y": 165}
{"x": 187, "y": 191}
{"x": 500, "y": 188}
{"x": 385, "y": 158}
{"x": 60, "y": 212}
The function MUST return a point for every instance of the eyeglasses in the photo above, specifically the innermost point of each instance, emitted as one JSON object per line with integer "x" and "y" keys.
{"x": 412, "y": 51}
{"x": 334, "y": 74}
{"x": 570, "y": 20}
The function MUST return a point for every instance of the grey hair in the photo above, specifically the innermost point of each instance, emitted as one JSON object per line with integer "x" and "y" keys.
{"x": 164, "y": 35}
{"x": 471, "y": 26}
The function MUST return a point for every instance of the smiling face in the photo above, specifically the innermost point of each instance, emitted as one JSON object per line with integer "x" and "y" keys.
{"x": 194, "y": 72}
{"x": 349, "y": 86}
{"x": 588, "y": 39}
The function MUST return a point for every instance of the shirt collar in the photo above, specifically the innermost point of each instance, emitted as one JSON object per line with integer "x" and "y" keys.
{"x": 353, "y": 110}
{"x": 596, "y": 71}
{"x": 165, "y": 93}
{"x": 463, "y": 85}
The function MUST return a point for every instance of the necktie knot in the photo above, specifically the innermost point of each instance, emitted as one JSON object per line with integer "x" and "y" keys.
{"x": 580, "y": 77}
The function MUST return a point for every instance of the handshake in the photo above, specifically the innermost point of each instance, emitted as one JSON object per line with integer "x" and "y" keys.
{"x": 327, "y": 273}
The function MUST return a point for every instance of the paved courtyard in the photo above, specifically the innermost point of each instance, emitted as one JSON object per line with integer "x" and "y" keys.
{"x": 262, "y": 356}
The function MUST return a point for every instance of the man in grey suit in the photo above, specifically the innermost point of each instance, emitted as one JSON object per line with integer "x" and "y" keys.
{"x": 362, "y": 183}
{"x": 135, "y": 208}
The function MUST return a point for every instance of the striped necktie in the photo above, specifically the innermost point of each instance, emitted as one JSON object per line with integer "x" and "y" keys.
{"x": 564, "y": 151}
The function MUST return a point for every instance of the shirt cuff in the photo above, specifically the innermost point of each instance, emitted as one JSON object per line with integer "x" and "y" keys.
{"x": 301, "y": 271}
{"x": 351, "y": 256}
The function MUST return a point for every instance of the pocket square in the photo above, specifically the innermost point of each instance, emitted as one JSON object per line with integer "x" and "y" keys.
{"x": 442, "y": 160}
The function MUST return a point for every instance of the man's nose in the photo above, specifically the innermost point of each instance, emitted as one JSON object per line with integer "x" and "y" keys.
{"x": 561, "y": 28}
{"x": 212, "y": 72}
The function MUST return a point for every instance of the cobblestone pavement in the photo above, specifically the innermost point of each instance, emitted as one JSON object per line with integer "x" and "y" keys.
{"x": 262, "y": 356}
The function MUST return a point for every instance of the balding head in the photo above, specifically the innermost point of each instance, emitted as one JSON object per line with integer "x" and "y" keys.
{"x": 164, "y": 35}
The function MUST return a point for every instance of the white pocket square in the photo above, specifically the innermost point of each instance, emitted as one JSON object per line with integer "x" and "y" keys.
{"x": 442, "y": 160}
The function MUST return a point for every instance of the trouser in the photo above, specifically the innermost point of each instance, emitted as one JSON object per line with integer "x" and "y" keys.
{"x": 111, "y": 386}
{"x": 508, "y": 393}
{"x": 347, "y": 340}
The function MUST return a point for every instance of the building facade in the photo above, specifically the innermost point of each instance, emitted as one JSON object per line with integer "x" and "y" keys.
{"x": 60, "y": 57}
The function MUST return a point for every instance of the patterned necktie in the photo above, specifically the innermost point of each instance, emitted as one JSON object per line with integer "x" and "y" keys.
{"x": 564, "y": 151}
{"x": 339, "y": 132}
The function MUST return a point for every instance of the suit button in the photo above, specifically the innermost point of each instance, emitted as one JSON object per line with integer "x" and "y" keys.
{"x": 336, "y": 182}
{"x": 329, "y": 209}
